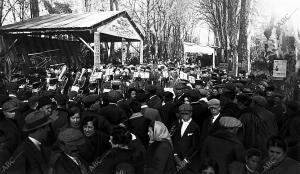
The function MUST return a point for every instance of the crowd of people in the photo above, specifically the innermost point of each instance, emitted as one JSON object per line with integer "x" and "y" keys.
{"x": 148, "y": 120}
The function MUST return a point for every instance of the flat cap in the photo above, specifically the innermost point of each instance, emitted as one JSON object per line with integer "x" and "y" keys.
{"x": 259, "y": 100}
{"x": 194, "y": 93}
{"x": 230, "y": 122}
{"x": 114, "y": 96}
{"x": 71, "y": 136}
{"x": 213, "y": 103}
{"x": 185, "y": 108}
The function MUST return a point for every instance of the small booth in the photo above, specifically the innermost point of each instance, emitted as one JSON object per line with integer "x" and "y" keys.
{"x": 201, "y": 55}
{"x": 61, "y": 33}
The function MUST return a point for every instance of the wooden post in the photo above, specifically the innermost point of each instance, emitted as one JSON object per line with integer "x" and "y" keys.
{"x": 141, "y": 51}
{"x": 97, "y": 48}
{"x": 123, "y": 51}
{"x": 214, "y": 59}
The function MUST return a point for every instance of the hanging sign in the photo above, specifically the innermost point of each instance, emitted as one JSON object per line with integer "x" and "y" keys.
{"x": 279, "y": 68}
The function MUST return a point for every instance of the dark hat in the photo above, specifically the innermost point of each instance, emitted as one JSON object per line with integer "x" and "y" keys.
{"x": 229, "y": 87}
{"x": 168, "y": 94}
{"x": 185, "y": 108}
{"x": 72, "y": 94}
{"x": 199, "y": 82}
{"x": 61, "y": 99}
{"x": 45, "y": 100}
{"x": 53, "y": 81}
{"x": 193, "y": 93}
{"x": 24, "y": 94}
{"x": 114, "y": 96}
{"x": 36, "y": 85}
{"x": 71, "y": 136}
{"x": 151, "y": 88}
{"x": 293, "y": 105}
{"x": 90, "y": 99}
{"x": 10, "y": 105}
{"x": 270, "y": 88}
{"x": 230, "y": 122}
{"x": 35, "y": 120}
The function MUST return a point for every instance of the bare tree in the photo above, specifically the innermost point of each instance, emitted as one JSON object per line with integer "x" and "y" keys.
{"x": 34, "y": 8}
{"x": 1, "y": 11}
{"x": 243, "y": 33}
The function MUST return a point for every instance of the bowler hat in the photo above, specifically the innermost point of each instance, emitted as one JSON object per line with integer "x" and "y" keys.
{"x": 45, "y": 100}
{"x": 71, "y": 136}
{"x": 35, "y": 120}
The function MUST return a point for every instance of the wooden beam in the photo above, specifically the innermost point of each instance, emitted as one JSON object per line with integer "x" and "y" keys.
{"x": 85, "y": 43}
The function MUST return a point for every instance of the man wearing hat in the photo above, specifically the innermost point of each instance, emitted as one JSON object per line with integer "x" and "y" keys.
{"x": 154, "y": 101}
{"x": 223, "y": 146}
{"x": 186, "y": 142}
{"x": 229, "y": 107}
{"x": 9, "y": 126}
{"x": 112, "y": 112}
{"x": 31, "y": 157}
{"x": 179, "y": 94}
{"x": 211, "y": 123}
{"x": 200, "y": 108}
{"x": 168, "y": 110}
{"x": 260, "y": 124}
{"x": 45, "y": 105}
{"x": 68, "y": 161}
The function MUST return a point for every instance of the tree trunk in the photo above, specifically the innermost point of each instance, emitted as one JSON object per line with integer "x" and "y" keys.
{"x": 1, "y": 11}
{"x": 243, "y": 35}
{"x": 34, "y": 8}
{"x": 87, "y": 5}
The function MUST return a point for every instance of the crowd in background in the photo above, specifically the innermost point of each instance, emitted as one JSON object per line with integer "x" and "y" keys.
{"x": 154, "y": 124}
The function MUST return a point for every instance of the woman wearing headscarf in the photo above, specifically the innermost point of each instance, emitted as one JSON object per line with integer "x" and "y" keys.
{"x": 159, "y": 159}
{"x": 277, "y": 161}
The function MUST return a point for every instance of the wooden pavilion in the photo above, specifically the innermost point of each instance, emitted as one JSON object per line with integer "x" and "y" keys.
{"x": 95, "y": 27}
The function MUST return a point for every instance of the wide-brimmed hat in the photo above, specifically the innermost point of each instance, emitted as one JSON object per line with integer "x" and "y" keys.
{"x": 10, "y": 105}
{"x": 35, "y": 120}
{"x": 71, "y": 136}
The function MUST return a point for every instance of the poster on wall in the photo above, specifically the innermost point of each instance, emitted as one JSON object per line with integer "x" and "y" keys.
{"x": 279, "y": 68}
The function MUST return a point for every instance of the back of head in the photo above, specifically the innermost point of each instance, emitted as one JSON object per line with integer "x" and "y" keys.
{"x": 135, "y": 106}
{"x": 120, "y": 135}
{"x": 259, "y": 101}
